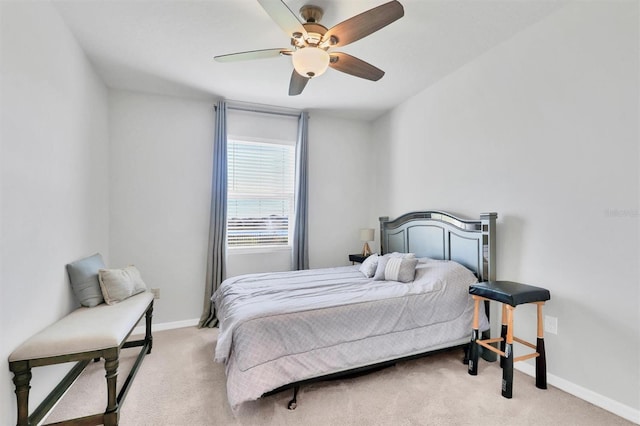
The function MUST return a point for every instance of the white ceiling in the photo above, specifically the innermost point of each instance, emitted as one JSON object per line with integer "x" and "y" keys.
{"x": 167, "y": 47}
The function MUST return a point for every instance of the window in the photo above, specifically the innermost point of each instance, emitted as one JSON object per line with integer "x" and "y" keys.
{"x": 260, "y": 193}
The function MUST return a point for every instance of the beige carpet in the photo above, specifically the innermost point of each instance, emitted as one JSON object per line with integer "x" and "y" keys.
{"x": 179, "y": 384}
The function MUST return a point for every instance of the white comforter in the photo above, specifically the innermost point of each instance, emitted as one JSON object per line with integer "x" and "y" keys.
{"x": 278, "y": 328}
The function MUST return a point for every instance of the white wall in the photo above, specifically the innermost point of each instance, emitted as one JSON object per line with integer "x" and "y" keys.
{"x": 160, "y": 182}
{"x": 340, "y": 188}
{"x": 53, "y": 175}
{"x": 543, "y": 129}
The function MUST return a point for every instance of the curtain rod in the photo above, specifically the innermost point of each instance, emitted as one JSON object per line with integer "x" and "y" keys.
{"x": 257, "y": 109}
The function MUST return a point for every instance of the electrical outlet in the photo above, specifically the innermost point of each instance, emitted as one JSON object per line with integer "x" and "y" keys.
{"x": 156, "y": 293}
{"x": 550, "y": 324}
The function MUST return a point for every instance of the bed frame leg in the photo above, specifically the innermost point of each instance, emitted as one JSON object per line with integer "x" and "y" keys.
{"x": 473, "y": 354}
{"x": 475, "y": 335}
{"x": 294, "y": 401}
{"x": 465, "y": 360}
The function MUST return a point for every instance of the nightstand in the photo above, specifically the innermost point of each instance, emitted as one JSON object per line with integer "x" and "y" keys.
{"x": 357, "y": 258}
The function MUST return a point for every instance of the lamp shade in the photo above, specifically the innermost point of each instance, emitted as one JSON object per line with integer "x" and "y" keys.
{"x": 310, "y": 61}
{"x": 367, "y": 234}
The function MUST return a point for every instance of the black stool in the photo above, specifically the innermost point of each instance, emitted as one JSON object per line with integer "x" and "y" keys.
{"x": 510, "y": 294}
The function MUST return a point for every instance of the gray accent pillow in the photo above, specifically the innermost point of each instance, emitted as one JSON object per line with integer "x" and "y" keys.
{"x": 83, "y": 275}
{"x": 400, "y": 269}
{"x": 119, "y": 284}
{"x": 382, "y": 263}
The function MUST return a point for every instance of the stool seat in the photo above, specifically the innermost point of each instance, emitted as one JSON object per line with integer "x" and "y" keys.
{"x": 510, "y": 292}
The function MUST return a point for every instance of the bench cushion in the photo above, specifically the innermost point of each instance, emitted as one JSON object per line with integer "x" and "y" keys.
{"x": 85, "y": 329}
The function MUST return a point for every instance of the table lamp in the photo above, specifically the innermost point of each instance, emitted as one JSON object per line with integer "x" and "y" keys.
{"x": 366, "y": 235}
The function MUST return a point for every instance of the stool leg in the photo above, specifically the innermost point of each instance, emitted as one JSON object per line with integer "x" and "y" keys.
{"x": 507, "y": 370}
{"x": 541, "y": 359}
{"x": 503, "y": 333}
{"x": 473, "y": 346}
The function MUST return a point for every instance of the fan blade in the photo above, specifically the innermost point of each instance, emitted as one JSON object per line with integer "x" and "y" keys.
{"x": 297, "y": 83}
{"x": 354, "y": 66}
{"x": 362, "y": 25}
{"x": 283, "y": 16}
{"x": 252, "y": 54}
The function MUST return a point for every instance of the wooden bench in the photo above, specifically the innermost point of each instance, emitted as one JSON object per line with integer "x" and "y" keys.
{"x": 85, "y": 334}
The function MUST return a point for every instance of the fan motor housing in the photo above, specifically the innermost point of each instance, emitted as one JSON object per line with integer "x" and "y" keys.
{"x": 314, "y": 32}
{"x": 311, "y": 13}
{"x": 313, "y": 27}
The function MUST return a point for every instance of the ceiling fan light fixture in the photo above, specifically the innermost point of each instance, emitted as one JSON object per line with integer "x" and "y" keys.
{"x": 310, "y": 61}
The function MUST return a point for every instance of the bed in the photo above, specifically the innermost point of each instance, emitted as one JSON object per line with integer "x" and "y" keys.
{"x": 280, "y": 330}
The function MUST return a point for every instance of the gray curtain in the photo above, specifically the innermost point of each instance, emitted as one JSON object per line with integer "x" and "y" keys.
{"x": 301, "y": 230}
{"x": 218, "y": 222}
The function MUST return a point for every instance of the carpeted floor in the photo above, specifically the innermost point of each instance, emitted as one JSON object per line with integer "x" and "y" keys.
{"x": 179, "y": 384}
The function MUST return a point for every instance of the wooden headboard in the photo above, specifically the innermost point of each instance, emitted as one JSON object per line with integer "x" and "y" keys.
{"x": 440, "y": 235}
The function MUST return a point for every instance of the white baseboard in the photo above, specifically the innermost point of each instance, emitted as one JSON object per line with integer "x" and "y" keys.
{"x": 596, "y": 399}
{"x": 166, "y": 326}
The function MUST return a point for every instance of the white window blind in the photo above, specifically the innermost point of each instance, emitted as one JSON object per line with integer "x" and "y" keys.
{"x": 260, "y": 193}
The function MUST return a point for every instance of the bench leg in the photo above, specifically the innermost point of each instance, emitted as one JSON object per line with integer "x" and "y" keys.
{"x": 111, "y": 364}
{"x": 21, "y": 379}
{"x": 148, "y": 337}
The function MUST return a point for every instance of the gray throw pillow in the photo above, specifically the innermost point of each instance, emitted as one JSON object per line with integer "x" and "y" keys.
{"x": 83, "y": 275}
{"x": 382, "y": 263}
{"x": 120, "y": 284}
{"x": 400, "y": 269}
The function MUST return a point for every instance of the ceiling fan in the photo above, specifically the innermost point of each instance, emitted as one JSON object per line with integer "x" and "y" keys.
{"x": 311, "y": 42}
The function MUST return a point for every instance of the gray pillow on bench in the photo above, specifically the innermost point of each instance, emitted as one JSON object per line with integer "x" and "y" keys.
{"x": 120, "y": 284}
{"x": 83, "y": 275}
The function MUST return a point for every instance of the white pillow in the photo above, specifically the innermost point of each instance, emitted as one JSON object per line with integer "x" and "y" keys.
{"x": 119, "y": 284}
{"x": 368, "y": 267}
